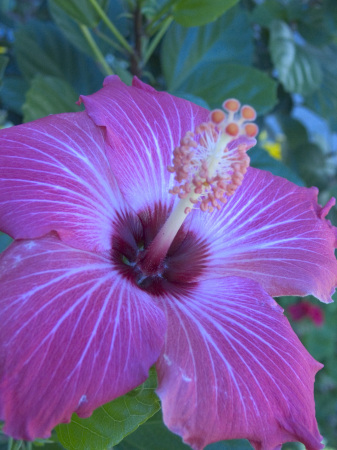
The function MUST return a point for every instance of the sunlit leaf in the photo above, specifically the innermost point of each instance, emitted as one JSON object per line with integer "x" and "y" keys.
{"x": 187, "y": 50}
{"x": 224, "y": 80}
{"x": 297, "y": 69}
{"x": 193, "y": 13}
{"x": 109, "y": 424}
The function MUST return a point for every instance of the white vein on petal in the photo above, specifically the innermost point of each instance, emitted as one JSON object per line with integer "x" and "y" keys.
{"x": 99, "y": 274}
{"x": 154, "y": 169}
{"x": 203, "y": 313}
{"x": 186, "y": 312}
{"x": 96, "y": 209}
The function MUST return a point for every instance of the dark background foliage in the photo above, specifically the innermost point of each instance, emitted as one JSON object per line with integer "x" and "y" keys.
{"x": 280, "y": 56}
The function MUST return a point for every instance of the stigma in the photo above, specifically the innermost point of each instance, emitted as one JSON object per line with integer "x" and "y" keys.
{"x": 211, "y": 161}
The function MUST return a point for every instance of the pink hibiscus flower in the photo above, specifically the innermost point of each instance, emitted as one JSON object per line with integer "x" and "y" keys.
{"x": 111, "y": 273}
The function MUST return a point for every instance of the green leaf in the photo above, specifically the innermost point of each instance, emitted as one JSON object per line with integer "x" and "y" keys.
{"x": 12, "y": 93}
{"x": 313, "y": 24}
{"x": 109, "y": 424}
{"x": 119, "y": 67}
{"x": 295, "y": 132}
{"x": 187, "y": 50}
{"x": 148, "y": 436}
{"x": 153, "y": 435}
{"x": 4, "y": 241}
{"x": 193, "y": 98}
{"x": 330, "y": 16}
{"x": 81, "y": 10}
{"x": 41, "y": 49}
{"x": 69, "y": 27}
{"x": 194, "y": 13}
{"x": 48, "y": 95}
{"x": 308, "y": 160}
{"x": 3, "y": 63}
{"x": 38, "y": 49}
{"x": 7, "y": 6}
{"x": 262, "y": 160}
{"x": 310, "y": 163}
{"x": 314, "y": 21}
{"x": 298, "y": 70}
{"x": 266, "y": 12}
{"x": 324, "y": 101}
{"x": 223, "y": 80}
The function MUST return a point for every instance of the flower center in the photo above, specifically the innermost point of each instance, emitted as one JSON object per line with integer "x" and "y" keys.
{"x": 209, "y": 165}
{"x": 184, "y": 262}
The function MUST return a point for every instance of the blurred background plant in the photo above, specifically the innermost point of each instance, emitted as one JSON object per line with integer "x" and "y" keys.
{"x": 280, "y": 56}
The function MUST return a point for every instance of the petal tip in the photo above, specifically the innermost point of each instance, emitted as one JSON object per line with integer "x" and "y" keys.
{"x": 325, "y": 209}
{"x": 137, "y": 83}
{"x": 111, "y": 79}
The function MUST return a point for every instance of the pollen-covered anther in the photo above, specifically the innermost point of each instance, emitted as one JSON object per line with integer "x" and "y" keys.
{"x": 251, "y": 129}
{"x": 231, "y": 104}
{"x": 232, "y": 129}
{"x": 217, "y": 116}
{"x": 211, "y": 161}
{"x": 248, "y": 113}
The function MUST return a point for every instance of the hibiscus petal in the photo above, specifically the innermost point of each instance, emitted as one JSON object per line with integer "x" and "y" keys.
{"x": 55, "y": 176}
{"x": 74, "y": 335}
{"x": 275, "y": 233}
{"x": 232, "y": 368}
{"x": 143, "y": 127}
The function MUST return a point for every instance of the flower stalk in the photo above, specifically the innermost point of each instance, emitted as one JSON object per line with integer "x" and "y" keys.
{"x": 111, "y": 26}
{"x": 97, "y": 52}
{"x": 155, "y": 41}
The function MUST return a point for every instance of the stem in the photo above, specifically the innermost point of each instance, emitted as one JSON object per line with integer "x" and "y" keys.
{"x": 160, "y": 14}
{"x": 13, "y": 444}
{"x": 136, "y": 56}
{"x": 111, "y": 26}
{"x": 105, "y": 38}
{"x": 94, "y": 47}
{"x": 155, "y": 41}
{"x": 10, "y": 444}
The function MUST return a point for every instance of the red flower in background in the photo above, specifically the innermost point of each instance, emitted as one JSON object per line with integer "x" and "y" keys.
{"x": 93, "y": 291}
{"x": 305, "y": 310}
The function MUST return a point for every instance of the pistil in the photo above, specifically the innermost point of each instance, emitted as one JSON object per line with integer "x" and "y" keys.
{"x": 209, "y": 165}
